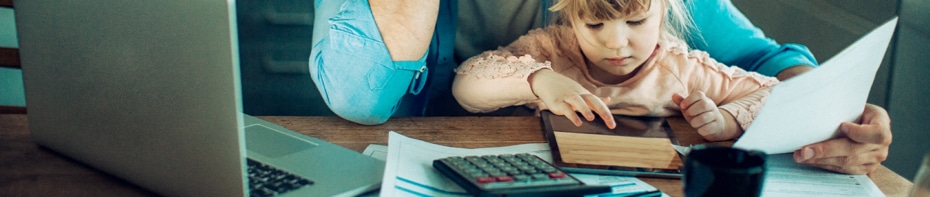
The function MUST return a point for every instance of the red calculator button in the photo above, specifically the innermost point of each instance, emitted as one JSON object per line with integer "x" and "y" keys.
{"x": 557, "y": 175}
{"x": 484, "y": 179}
{"x": 504, "y": 179}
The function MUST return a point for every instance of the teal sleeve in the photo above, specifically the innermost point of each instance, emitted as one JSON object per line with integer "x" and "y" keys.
{"x": 730, "y": 38}
{"x": 355, "y": 74}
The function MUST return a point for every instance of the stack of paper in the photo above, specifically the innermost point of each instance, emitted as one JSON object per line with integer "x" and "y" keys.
{"x": 409, "y": 170}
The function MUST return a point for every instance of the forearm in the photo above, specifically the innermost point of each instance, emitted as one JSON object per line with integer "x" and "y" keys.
{"x": 777, "y": 59}
{"x": 729, "y": 37}
{"x": 500, "y": 78}
{"x": 732, "y": 129}
{"x": 483, "y": 96}
{"x": 793, "y": 71}
{"x": 406, "y": 26}
{"x": 489, "y": 82}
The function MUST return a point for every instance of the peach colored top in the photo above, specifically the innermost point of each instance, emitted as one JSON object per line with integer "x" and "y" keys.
{"x": 499, "y": 78}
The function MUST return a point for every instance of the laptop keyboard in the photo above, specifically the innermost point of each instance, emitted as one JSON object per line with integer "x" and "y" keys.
{"x": 265, "y": 180}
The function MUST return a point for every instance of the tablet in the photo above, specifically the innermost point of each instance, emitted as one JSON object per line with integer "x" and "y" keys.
{"x": 638, "y": 146}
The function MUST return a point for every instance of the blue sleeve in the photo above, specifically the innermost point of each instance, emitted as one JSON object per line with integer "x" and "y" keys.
{"x": 728, "y": 36}
{"x": 352, "y": 67}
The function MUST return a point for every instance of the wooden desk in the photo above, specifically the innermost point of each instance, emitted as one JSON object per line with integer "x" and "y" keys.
{"x": 29, "y": 170}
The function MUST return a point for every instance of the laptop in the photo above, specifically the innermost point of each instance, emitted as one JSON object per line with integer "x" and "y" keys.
{"x": 149, "y": 91}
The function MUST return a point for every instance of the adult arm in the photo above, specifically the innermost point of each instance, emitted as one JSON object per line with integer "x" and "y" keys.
{"x": 406, "y": 26}
{"x": 365, "y": 54}
{"x": 724, "y": 32}
{"x": 730, "y": 38}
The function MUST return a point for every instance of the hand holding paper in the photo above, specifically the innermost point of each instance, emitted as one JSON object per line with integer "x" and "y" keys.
{"x": 809, "y": 108}
{"x": 862, "y": 149}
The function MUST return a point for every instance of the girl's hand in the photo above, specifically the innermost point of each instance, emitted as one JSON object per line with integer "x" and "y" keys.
{"x": 563, "y": 96}
{"x": 703, "y": 114}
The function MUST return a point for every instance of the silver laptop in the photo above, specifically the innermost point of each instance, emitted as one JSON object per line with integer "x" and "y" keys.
{"x": 149, "y": 91}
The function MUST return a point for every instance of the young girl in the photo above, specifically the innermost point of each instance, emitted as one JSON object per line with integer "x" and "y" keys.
{"x": 614, "y": 57}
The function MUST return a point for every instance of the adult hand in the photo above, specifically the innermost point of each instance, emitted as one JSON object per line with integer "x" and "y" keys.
{"x": 861, "y": 150}
{"x": 564, "y": 96}
{"x": 702, "y": 113}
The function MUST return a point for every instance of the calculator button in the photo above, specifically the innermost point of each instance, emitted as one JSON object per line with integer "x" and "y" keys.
{"x": 504, "y": 179}
{"x": 541, "y": 165}
{"x": 481, "y": 164}
{"x": 548, "y": 169}
{"x": 514, "y": 172}
{"x": 498, "y": 172}
{"x": 469, "y": 169}
{"x": 521, "y": 177}
{"x": 528, "y": 170}
{"x": 484, "y": 179}
{"x": 478, "y": 174}
{"x": 540, "y": 176}
{"x": 557, "y": 175}
{"x": 507, "y": 157}
{"x": 535, "y": 162}
{"x": 501, "y": 164}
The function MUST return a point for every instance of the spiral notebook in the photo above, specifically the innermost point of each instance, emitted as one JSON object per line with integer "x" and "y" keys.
{"x": 638, "y": 146}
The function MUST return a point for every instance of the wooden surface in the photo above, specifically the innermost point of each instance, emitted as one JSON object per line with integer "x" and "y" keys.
{"x": 29, "y": 170}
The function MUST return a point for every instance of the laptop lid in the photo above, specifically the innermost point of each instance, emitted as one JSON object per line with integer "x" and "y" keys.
{"x": 149, "y": 91}
{"x": 145, "y": 90}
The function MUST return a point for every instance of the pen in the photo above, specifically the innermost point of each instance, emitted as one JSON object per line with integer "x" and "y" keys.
{"x": 649, "y": 193}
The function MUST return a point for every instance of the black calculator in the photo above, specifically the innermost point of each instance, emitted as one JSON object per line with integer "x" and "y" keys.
{"x": 513, "y": 175}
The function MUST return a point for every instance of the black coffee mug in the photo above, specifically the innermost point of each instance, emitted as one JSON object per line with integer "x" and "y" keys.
{"x": 723, "y": 171}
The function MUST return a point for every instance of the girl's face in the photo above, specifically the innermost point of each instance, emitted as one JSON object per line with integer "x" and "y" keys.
{"x": 617, "y": 47}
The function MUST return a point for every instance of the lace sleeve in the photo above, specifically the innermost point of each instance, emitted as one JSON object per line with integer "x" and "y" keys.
{"x": 500, "y": 78}
{"x": 746, "y": 109}
{"x": 493, "y": 66}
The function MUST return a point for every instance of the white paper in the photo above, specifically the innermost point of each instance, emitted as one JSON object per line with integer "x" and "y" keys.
{"x": 376, "y": 151}
{"x": 784, "y": 177}
{"x": 810, "y": 107}
{"x": 409, "y": 171}
{"x": 683, "y": 150}
{"x": 620, "y": 185}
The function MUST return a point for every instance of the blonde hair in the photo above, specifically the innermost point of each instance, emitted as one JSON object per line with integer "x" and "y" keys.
{"x": 677, "y": 21}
